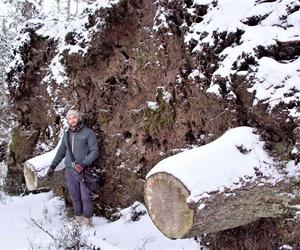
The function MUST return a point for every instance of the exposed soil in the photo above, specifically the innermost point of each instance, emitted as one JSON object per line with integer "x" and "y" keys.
{"x": 126, "y": 66}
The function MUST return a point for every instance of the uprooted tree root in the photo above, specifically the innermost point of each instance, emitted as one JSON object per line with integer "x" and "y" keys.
{"x": 263, "y": 234}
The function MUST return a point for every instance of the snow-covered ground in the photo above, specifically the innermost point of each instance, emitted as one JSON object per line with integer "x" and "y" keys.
{"x": 19, "y": 216}
{"x": 40, "y": 221}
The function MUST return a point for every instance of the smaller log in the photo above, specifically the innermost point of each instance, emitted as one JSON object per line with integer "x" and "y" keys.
{"x": 35, "y": 171}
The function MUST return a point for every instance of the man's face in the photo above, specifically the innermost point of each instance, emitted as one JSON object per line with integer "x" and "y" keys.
{"x": 72, "y": 120}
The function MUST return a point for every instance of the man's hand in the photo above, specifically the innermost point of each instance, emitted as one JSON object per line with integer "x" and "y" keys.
{"x": 78, "y": 168}
{"x": 50, "y": 172}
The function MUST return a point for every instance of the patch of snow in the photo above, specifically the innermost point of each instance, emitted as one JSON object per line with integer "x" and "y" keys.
{"x": 201, "y": 206}
{"x": 275, "y": 80}
{"x": 16, "y": 216}
{"x": 3, "y": 172}
{"x": 286, "y": 247}
{"x": 152, "y": 105}
{"x": 134, "y": 229}
{"x": 293, "y": 168}
{"x": 196, "y": 74}
{"x": 166, "y": 96}
{"x": 214, "y": 89}
{"x": 161, "y": 19}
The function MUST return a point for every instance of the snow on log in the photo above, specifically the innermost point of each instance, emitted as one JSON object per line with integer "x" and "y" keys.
{"x": 227, "y": 183}
{"x": 35, "y": 170}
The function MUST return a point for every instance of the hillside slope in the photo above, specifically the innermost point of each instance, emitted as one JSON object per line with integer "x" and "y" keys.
{"x": 155, "y": 78}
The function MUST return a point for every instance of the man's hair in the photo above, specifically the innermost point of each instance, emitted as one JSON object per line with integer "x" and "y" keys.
{"x": 73, "y": 112}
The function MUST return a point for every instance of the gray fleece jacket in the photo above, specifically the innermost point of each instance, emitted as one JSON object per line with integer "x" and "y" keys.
{"x": 84, "y": 146}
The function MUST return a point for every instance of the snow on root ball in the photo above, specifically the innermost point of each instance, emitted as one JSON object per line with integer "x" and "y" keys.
{"x": 207, "y": 189}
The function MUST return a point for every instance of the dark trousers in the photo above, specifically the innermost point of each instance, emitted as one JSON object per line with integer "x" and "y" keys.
{"x": 80, "y": 194}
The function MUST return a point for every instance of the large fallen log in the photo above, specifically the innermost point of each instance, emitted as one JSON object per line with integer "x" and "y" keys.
{"x": 35, "y": 171}
{"x": 225, "y": 184}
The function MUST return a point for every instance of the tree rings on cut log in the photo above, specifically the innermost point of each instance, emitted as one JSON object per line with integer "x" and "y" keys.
{"x": 36, "y": 176}
{"x": 30, "y": 176}
{"x": 35, "y": 171}
{"x": 166, "y": 201}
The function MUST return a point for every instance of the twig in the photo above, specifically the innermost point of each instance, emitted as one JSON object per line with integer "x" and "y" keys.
{"x": 60, "y": 241}
{"x": 222, "y": 113}
{"x": 43, "y": 229}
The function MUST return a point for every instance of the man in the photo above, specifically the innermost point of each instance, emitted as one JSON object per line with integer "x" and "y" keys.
{"x": 82, "y": 143}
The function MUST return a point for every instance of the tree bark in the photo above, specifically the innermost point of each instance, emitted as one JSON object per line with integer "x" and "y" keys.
{"x": 166, "y": 200}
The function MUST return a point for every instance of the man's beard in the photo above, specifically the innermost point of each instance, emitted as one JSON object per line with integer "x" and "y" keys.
{"x": 74, "y": 126}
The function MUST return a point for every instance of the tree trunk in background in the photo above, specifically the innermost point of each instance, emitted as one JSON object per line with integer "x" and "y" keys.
{"x": 68, "y": 10}
{"x": 166, "y": 199}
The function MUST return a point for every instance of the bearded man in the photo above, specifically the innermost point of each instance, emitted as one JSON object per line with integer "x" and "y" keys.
{"x": 79, "y": 148}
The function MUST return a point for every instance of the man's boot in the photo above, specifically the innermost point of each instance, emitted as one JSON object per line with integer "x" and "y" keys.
{"x": 78, "y": 219}
{"x": 87, "y": 222}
